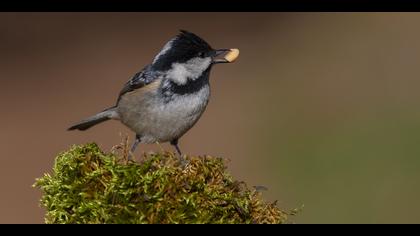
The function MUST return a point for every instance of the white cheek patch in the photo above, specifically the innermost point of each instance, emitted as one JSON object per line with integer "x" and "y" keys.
{"x": 165, "y": 49}
{"x": 178, "y": 74}
{"x": 192, "y": 69}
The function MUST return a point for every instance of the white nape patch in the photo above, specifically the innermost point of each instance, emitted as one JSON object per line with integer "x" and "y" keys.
{"x": 162, "y": 52}
{"x": 192, "y": 69}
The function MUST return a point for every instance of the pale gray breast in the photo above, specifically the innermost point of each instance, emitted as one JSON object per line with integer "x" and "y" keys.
{"x": 149, "y": 115}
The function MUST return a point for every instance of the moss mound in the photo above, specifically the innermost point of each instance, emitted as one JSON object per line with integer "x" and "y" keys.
{"x": 90, "y": 186}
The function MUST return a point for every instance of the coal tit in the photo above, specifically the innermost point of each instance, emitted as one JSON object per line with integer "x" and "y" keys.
{"x": 165, "y": 99}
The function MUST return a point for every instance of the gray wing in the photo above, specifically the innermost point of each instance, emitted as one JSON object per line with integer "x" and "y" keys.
{"x": 139, "y": 80}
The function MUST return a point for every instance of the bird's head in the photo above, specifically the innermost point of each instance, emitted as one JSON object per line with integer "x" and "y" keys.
{"x": 187, "y": 56}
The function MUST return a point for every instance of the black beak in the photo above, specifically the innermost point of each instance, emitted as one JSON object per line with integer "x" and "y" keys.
{"x": 216, "y": 56}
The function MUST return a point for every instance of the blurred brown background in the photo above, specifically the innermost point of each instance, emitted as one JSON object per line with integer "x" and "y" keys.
{"x": 322, "y": 108}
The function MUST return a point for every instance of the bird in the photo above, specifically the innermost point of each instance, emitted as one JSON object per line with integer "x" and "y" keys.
{"x": 165, "y": 99}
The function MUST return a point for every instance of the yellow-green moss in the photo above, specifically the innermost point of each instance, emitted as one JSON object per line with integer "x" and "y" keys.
{"x": 89, "y": 186}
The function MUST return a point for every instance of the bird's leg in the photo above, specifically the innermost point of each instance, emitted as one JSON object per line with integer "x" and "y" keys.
{"x": 175, "y": 144}
{"x": 181, "y": 159}
{"x": 133, "y": 148}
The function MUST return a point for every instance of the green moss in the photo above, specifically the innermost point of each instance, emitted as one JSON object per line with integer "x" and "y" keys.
{"x": 90, "y": 186}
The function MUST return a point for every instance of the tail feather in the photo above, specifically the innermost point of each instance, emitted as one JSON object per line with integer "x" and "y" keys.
{"x": 95, "y": 119}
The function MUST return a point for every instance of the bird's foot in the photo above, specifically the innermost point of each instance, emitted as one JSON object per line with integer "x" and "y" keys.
{"x": 130, "y": 157}
{"x": 183, "y": 161}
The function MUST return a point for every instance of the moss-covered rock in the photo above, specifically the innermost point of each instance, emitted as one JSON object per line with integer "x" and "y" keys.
{"x": 89, "y": 186}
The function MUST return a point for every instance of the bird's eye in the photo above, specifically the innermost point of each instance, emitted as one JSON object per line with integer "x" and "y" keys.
{"x": 201, "y": 54}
